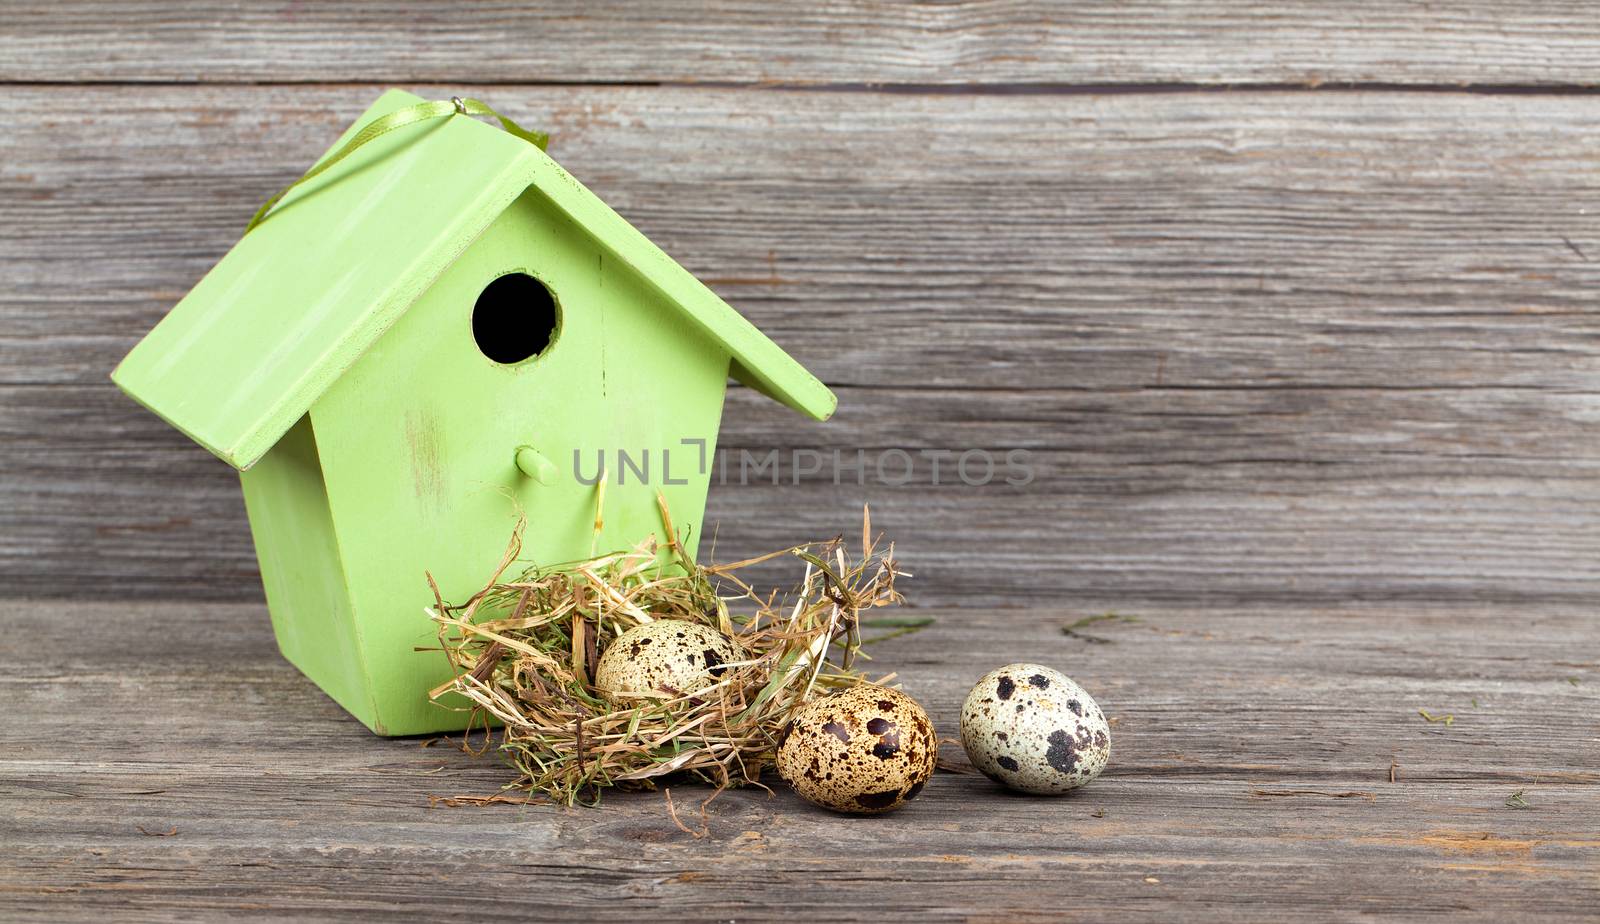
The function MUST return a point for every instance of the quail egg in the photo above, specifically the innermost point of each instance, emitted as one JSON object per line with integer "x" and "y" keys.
{"x": 668, "y": 656}
{"x": 866, "y": 750}
{"x": 1033, "y": 729}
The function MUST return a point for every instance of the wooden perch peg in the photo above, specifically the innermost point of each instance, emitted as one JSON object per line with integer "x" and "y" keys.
{"x": 534, "y": 464}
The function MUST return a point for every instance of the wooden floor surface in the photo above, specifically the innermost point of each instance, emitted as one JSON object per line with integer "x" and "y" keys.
{"x": 1293, "y": 310}
{"x": 1253, "y": 750}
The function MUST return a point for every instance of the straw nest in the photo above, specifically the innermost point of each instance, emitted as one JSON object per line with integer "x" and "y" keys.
{"x": 524, "y": 652}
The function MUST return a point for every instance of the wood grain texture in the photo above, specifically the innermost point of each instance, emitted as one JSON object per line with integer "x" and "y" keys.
{"x": 735, "y": 41}
{"x": 1260, "y": 346}
{"x": 162, "y": 781}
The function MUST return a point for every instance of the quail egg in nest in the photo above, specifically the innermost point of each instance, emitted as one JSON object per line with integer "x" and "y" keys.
{"x": 668, "y": 657}
{"x": 1033, "y": 729}
{"x": 866, "y": 750}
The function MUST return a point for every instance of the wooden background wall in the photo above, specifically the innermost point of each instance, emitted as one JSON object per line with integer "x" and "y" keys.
{"x": 1288, "y": 303}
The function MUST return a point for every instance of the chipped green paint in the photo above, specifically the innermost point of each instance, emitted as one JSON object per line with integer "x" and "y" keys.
{"x": 331, "y": 357}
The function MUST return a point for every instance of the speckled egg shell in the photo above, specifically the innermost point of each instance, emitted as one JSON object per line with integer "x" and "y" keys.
{"x": 667, "y": 656}
{"x": 1033, "y": 729}
{"x": 866, "y": 750}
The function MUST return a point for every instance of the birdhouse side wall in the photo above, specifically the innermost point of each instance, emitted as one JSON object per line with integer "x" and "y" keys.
{"x": 298, "y": 552}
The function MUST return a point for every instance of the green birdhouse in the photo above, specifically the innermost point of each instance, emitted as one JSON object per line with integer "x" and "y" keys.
{"x": 442, "y": 330}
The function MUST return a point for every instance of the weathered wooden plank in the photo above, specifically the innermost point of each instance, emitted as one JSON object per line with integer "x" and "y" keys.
{"x": 1131, "y": 500}
{"x": 1274, "y": 346}
{"x": 1016, "y": 41}
{"x": 168, "y": 764}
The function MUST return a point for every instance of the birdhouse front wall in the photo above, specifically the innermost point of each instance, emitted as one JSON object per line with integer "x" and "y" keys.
{"x": 417, "y": 449}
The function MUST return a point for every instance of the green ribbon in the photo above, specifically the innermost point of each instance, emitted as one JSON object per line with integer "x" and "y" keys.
{"x": 400, "y": 118}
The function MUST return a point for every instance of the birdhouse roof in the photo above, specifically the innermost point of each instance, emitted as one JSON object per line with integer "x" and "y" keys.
{"x": 299, "y": 299}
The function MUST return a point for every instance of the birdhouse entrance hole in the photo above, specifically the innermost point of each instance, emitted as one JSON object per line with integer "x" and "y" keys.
{"x": 515, "y": 318}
